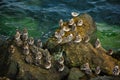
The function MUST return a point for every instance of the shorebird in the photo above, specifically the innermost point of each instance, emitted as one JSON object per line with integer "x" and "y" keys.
{"x": 74, "y": 27}
{"x": 74, "y": 14}
{"x": 66, "y": 29}
{"x": 39, "y": 43}
{"x": 62, "y": 33}
{"x": 70, "y": 37}
{"x": 110, "y": 52}
{"x": 86, "y": 39}
{"x": 25, "y": 49}
{"x": 71, "y": 22}
{"x": 31, "y": 41}
{"x": 25, "y": 34}
{"x": 80, "y": 22}
{"x": 116, "y": 70}
{"x": 78, "y": 38}
{"x": 48, "y": 65}
{"x": 86, "y": 68}
{"x": 61, "y": 23}
{"x": 97, "y": 70}
{"x": 57, "y": 35}
{"x": 38, "y": 57}
{"x": 61, "y": 67}
{"x": 97, "y": 43}
{"x": 17, "y": 35}
{"x": 61, "y": 60}
{"x": 12, "y": 49}
{"x": 59, "y": 39}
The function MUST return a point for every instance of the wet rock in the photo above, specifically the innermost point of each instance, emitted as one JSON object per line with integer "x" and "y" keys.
{"x": 4, "y": 78}
{"x": 77, "y": 54}
{"x": 75, "y": 74}
{"x": 106, "y": 78}
{"x": 88, "y": 28}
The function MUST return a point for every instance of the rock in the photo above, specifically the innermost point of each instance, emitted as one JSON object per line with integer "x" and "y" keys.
{"x": 106, "y": 78}
{"x": 88, "y": 28}
{"x": 4, "y": 78}
{"x": 75, "y": 74}
{"x": 77, "y": 54}
{"x": 15, "y": 67}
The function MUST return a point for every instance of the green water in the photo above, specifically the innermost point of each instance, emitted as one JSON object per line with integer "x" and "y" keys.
{"x": 41, "y": 18}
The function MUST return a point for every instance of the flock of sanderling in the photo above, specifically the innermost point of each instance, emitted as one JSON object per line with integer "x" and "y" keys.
{"x": 34, "y": 53}
{"x": 22, "y": 40}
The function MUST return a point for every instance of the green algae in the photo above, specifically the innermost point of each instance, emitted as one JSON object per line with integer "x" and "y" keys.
{"x": 109, "y": 35}
{"x": 8, "y": 25}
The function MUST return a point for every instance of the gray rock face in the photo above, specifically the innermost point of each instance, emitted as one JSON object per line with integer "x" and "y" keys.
{"x": 75, "y": 74}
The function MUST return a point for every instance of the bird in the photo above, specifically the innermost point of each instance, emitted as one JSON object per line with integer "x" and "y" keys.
{"x": 70, "y": 37}
{"x": 66, "y": 29}
{"x": 97, "y": 43}
{"x": 57, "y": 35}
{"x": 97, "y": 70}
{"x": 110, "y": 52}
{"x": 86, "y": 39}
{"x": 25, "y": 49}
{"x": 59, "y": 39}
{"x": 74, "y": 27}
{"x": 116, "y": 70}
{"x": 25, "y": 34}
{"x": 61, "y": 60}
{"x": 11, "y": 49}
{"x": 80, "y": 22}
{"x": 71, "y": 22}
{"x": 61, "y": 67}
{"x": 31, "y": 41}
{"x": 74, "y": 14}
{"x": 48, "y": 65}
{"x": 86, "y": 68}
{"x": 38, "y": 58}
{"x": 62, "y": 33}
{"x": 17, "y": 35}
{"x": 39, "y": 43}
{"x": 61, "y": 22}
{"x": 78, "y": 38}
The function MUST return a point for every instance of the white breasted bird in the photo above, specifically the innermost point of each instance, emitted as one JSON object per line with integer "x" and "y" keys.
{"x": 39, "y": 43}
{"x": 71, "y": 22}
{"x": 86, "y": 39}
{"x": 61, "y": 23}
{"x": 66, "y": 29}
{"x": 78, "y": 38}
{"x": 116, "y": 70}
{"x": 74, "y": 14}
{"x": 110, "y": 52}
{"x": 86, "y": 68}
{"x": 61, "y": 67}
{"x": 31, "y": 41}
{"x": 97, "y": 70}
{"x": 70, "y": 37}
{"x": 25, "y": 49}
{"x": 80, "y": 22}
{"x": 17, "y": 35}
{"x": 11, "y": 49}
{"x": 97, "y": 43}
{"x": 25, "y": 34}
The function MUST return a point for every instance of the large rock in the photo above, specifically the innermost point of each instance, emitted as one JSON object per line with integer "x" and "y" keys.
{"x": 75, "y": 74}
{"x": 88, "y": 28}
{"x": 77, "y": 54}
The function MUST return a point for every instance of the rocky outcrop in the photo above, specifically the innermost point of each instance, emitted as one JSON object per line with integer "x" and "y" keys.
{"x": 72, "y": 53}
{"x": 77, "y": 54}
